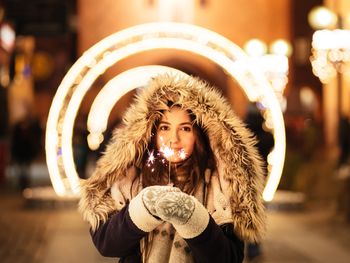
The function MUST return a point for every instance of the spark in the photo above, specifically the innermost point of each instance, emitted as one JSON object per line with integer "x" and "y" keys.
{"x": 182, "y": 154}
{"x": 151, "y": 159}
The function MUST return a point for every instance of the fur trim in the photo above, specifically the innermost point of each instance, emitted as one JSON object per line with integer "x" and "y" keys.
{"x": 239, "y": 165}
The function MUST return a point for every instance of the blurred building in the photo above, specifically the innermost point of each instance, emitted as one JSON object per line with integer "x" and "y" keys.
{"x": 63, "y": 29}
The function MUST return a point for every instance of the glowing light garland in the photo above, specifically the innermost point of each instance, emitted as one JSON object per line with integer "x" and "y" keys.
{"x": 120, "y": 45}
{"x": 330, "y": 53}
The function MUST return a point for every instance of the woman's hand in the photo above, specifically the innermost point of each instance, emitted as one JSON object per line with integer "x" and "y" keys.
{"x": 188, "y": 216}
{"x": 151, "y": 194}
{"x": 142, "y": 207}
{"x": 156, "y": 204}
{"x": 175, "y": 207}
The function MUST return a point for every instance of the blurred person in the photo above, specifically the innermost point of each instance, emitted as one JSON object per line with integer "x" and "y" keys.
{"x": 20, "y": 93}
{"x": 265, "y": 143}
{"x": 80, "y": 146}
{"x": 25, "y": 146}
{"x": 344, "y": 140}
{"x": 344, "y": 167}
{"x": 180, "y": 180}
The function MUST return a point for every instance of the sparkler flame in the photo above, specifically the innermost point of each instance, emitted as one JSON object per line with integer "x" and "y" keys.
{"x": 151, "y": 159}
{"x": 182, "y": 154}
{"x": 167, "y": 153}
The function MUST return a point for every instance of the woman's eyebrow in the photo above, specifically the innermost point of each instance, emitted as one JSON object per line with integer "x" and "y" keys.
{"x": 164, "y": 122}
{"x": 182, "y": 123}
{"x": 186, "y": 123}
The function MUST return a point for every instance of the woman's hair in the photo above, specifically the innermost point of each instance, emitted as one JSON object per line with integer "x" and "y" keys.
{"x": 155, "y": 171}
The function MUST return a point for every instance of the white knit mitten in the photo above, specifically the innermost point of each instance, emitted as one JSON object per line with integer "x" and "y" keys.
{"x": 151, "y": 194}
{"x": 142, "y": 207}
{"x": 188, "y": 216}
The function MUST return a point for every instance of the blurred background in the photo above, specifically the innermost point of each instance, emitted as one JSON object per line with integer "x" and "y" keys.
{"x": 303, "y": 48}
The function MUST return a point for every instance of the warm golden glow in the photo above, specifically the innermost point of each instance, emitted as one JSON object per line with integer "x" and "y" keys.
{"x": 176, "y": 10}
{"x": 281, "y": 47}
{"x": 110, "y": 50}
{"x": 321, "y": 17}
{"x": 255, "y": 47}
{"x": 330, "y": 53}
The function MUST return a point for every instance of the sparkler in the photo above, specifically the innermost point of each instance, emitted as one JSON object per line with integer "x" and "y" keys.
{"x": 167, "y": 153}
{"x": 169, "y": 159}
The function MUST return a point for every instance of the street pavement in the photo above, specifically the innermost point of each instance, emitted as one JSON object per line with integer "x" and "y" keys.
{"x": 50, "y": 232}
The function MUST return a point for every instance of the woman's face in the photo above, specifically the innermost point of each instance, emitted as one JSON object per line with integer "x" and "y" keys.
{"x": 175, "y": 135}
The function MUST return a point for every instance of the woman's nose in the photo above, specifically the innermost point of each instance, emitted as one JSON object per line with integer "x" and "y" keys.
{"x": 174, "y": 137}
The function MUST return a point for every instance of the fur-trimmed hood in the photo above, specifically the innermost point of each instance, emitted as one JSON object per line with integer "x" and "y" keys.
{"x": 239, "y": 164}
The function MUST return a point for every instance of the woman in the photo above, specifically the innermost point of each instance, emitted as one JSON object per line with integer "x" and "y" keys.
{"x": 180, "y": 182}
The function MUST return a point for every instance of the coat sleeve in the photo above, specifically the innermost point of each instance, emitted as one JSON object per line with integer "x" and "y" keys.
{"x": 118, "y": 236}
{"x": 217, "y": 244}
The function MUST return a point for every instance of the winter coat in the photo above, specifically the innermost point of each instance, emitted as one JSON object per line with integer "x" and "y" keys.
{"x": 237, "y": 201}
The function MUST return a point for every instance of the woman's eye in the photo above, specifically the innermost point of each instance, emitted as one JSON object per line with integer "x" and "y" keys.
{"x": 187, "y": 128}
{"x": 163, "y": 128}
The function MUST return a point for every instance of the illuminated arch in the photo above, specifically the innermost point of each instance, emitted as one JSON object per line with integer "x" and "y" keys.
{"x": 120, "y": 45}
